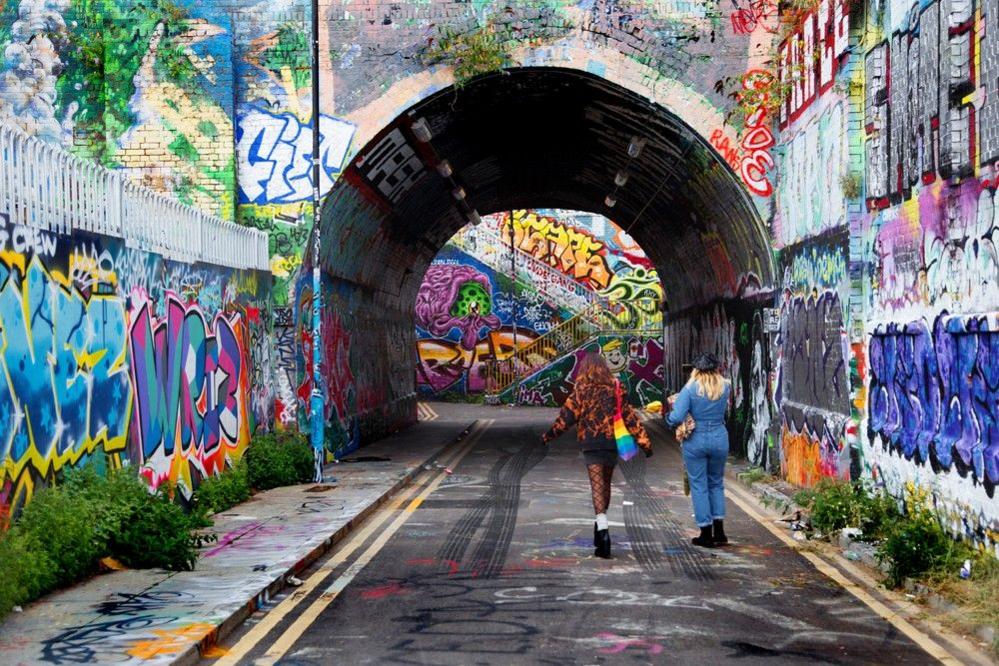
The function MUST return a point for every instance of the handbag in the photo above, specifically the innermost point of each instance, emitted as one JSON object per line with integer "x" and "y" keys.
{"x": 683, "y": 432}
{"x": 626, "y": 446}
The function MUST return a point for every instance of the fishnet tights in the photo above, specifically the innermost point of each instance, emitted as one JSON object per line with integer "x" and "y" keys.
{"x": 600, "y": 486}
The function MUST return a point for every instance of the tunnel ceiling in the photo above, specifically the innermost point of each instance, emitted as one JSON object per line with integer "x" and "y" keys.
{"x": 544, "y": 138}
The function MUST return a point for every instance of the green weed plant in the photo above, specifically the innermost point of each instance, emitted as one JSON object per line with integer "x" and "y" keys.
{"x": 834, "y": 505}
{"x": 279, "y": 459}
{"x": 62, "y": 534}
{"x": 224, "y": 491}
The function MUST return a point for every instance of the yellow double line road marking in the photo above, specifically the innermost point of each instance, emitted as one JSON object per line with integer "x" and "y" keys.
{"x": 286, "y": 640}
{"x": 931, "y": 647}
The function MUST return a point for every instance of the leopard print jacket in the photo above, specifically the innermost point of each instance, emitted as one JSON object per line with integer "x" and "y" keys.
{"x": 591, "y": 408}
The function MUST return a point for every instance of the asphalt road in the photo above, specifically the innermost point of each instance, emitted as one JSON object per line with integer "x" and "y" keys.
{"x": 495, "y": 566}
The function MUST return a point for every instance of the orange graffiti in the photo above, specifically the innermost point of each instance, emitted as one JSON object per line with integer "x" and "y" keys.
{"x": 806, "y": 458}
{"x": 801, "y": 464}
{"x": 570, "y": 250}
{"x": 171, "y": 641}
{"x": 442, "y": 363}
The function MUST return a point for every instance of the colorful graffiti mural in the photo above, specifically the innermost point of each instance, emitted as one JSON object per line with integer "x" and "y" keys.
{"x": 636, "y": 362}
{"x": 455, "y": 297}
{"x": 96, "y": 361}
{"x": 875, "y": 172}
{"x": 191, "y": 391}
{"x": 928, "y": 260}
{"x": 470, "y": 313}
{"x": 145, "y": 87}
{"x": 570, "y": 249}
{"x": 813, "y": 388}
{"x": 933, "y": 393}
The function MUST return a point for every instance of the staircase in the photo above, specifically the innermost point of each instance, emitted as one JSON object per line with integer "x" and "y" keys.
{"x": 596, "y": 316}
{"x": 569, "y": 335}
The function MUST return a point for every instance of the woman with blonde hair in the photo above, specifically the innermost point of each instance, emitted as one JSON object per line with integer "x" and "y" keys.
{"x": 705, "y": 398}
{"x": 591, "y": 407}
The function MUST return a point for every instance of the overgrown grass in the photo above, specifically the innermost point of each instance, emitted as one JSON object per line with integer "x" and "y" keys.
{"x": 66, "y": 529}
{"x": 918, "y": 548}
{"x": 912, "y": 545}
{"x": 976, "y": 597}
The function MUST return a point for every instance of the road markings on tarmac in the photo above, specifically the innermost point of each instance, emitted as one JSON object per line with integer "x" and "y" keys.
{"x": 425, "y": 412}
{"x": 284, "y": 642}
{"x": 930, "y": 646}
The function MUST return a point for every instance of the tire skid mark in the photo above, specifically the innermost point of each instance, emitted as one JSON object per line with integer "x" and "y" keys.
{"x": 687, "y": 560}
{"x": 495, "y": 512}
{"x": 643, "y": 541}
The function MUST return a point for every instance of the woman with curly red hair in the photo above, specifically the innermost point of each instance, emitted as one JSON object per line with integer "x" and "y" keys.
{"x": 591, "y": 407}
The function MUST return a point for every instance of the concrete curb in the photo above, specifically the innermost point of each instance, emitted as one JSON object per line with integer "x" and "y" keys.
{"x": 857, "y": 551}
{"x": 194, "y": 652}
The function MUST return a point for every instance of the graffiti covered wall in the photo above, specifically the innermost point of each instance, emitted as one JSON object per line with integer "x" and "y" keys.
{"x": 636, "y": 361}
{"x": 884, "y": 228}
{"x": 108, "y": 349}
{"x": 931, "y": 293}
{"x": 875, "y": 172}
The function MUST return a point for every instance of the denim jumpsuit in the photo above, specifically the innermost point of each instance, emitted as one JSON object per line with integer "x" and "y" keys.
{"x": 704, "y": 453}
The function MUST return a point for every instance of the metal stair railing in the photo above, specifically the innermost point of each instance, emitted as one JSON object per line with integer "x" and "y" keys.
{"x": 569, "y": 335}
{"x": 599, "y": 319}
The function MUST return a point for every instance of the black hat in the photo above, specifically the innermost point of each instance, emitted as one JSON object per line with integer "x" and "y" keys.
{"x": 706, "y": 362}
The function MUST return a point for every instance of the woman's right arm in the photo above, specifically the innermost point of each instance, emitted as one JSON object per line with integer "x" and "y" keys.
{"x": 680, "y": 408}
{"x": 566, "y": 418}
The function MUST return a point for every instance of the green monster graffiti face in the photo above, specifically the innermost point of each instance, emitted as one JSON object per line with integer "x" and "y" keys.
{"x": 472, "y": 299}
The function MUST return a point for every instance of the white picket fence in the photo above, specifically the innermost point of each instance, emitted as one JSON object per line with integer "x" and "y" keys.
{"x": 45, "y": 187}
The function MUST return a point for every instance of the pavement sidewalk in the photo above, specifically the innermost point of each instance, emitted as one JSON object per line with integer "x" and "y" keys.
{"x": 157, "y": 616}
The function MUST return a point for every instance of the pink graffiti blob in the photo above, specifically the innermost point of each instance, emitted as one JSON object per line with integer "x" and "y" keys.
{"x": 437, "y": 296}
{"x": 619, "y": 644}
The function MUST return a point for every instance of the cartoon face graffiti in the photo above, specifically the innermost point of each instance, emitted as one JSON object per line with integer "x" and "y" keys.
{"x": 616, "y": 359}
{"x": 455, "y": 297}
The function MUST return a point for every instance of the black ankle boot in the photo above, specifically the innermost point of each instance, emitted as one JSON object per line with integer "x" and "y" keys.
{"x": 603, "y": 544}
{"x": 718, "y": 532}
{"x": 704, "y": 540}
{"x": 594, "y": 534}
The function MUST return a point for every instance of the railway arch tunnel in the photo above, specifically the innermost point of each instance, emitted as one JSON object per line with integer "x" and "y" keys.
{"x": 531, "y": 137}
{"x": 861, "y": 226}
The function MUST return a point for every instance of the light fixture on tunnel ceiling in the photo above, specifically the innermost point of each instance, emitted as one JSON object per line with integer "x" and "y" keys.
{"x": 458, "y": 193}
{"x": 635, "y": 146}
{"x": 474, "y": 218}
{"x": 621, "y": 178}
{"x": 421, "y": 130}
{"x": 610, "y": 200}
{"x": 444, "y": 169}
